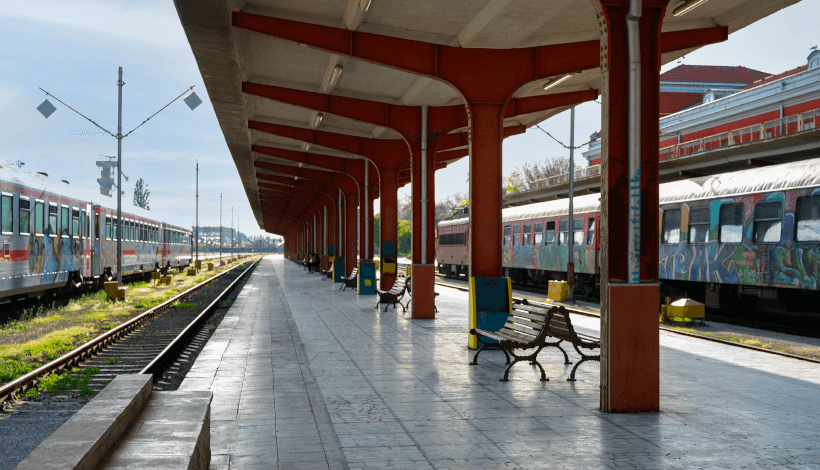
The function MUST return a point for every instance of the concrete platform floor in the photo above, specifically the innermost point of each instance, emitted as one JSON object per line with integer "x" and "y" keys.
{"x": 307, "y": 377}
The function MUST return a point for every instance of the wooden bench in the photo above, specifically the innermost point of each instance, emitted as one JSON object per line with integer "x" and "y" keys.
{"x": 394, "y": 295}
{"x": 350, "y": 281}
{"x": 410, "y": 291}
{"x": 327, "y": 273}
{"x": 525, "y": 328}
{"x": 560, "y": 328}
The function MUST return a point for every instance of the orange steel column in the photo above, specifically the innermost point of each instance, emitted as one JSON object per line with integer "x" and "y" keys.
{"x": 630, "y": 379}
{"x": 388, "y": 226}
{"x": 350, "y": 205}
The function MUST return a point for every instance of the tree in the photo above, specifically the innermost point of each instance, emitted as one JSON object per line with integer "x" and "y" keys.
{"x": 141, "y": 195}
{"x": 405, "y": 242}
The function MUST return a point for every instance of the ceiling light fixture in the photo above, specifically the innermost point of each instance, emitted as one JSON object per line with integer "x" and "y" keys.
{"x": 317, "y": 120}
{"x": 365, "y": 4}
{"x": 307, "y": 147}
{"x": 556, "y": 81}
{"x": 334, "y": 76}
{"x": 688, "y": 6}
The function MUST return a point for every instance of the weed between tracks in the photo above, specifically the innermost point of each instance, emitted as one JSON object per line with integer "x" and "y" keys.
{"x": 48, "y": 331}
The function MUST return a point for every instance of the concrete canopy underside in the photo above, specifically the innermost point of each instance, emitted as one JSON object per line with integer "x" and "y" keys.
{"x": 227, "y": 57}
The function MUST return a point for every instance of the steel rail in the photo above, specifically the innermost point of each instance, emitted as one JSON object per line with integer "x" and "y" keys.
{"x": 72, "y": 358}
{"x": 155, "y": 366}
{"x": 662, "y": 328}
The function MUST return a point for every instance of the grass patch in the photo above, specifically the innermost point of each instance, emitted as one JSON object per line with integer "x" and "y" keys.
{"x": 10, "y": 369}
{"x": 184, "y": 305}
{"x": 111, "y": 361}
{"x": 74, "y": 380}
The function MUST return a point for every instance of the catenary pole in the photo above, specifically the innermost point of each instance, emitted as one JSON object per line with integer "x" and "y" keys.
{"x": 196, "y": 259}
{"x": 120, "y": 83}
{"x": 220, "y": 229}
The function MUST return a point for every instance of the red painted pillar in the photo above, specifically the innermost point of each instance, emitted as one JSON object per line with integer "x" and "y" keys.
{"x": 320, "y": 233}
{"x": 350, "y": 232}
{"x": 332, "y": 227}
{"x": 485, "y": 189}
{"x": 630, "y": 379}
{"x": 388, "y": 226}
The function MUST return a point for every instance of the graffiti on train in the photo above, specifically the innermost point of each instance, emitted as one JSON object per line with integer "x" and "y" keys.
{"x": 782, "y": 263}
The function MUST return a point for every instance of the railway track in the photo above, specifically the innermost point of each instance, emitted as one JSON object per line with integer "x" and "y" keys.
{"x": 161, "y": 341}
{"x": 749, "y": 323}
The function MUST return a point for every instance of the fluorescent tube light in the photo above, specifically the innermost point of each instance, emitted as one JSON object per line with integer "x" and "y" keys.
{"x": 688, "y": 6}
{"x": 556, "y": 81}
{"x": 365, "y": 4}
{"x": 334, "y": 76}
{"x": 317, "y": 120}
{"x": 307, "y": 147}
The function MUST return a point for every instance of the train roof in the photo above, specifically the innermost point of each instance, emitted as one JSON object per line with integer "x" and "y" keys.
{"x": 783, "y": 177}
{"x": 12, "y": 175}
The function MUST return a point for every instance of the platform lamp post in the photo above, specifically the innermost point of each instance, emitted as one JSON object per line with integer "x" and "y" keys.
{"x": 47, "y": 109}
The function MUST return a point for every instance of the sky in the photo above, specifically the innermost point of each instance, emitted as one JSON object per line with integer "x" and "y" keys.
{"x": 73, "y": 49}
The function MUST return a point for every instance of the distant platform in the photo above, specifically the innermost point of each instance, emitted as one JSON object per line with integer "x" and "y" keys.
{"x": 305, "y": 376}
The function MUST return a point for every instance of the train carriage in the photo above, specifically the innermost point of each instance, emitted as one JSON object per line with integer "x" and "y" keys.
{"x": 55, "y": 238}
{"x": 752, "y": 235}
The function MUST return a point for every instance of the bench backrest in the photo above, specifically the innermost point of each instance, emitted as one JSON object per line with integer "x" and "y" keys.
{"x": 526, "y": 322}
{"x": 399, "y": 285}
{"x": 354, "y": 272}
{"x": 560, "y": 326}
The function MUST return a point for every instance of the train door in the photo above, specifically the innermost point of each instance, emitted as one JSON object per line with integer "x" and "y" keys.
{"x": 85, "y": 239}
{"x": 97, "y": 241}
{"x": 164, "y": 236}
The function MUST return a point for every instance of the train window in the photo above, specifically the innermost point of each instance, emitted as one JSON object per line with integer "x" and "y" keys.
{"x": 768, "y": 219}
{"x": 516, "y": 238}
{"x": 563, "y": 232}
{"x": 6, "y": 213}
{"x": 699, "y": 225}
{"x": 731, "y": 223}
{"x": 25, "y": 216}
{"x": 671, "y": 226}
{"x": 506, "y": 235}
{"x": 108, "y": 227}
{"x": 549, "y": 233}
{"x": 578, "y": 231}
{"x": 527, "y": 235}
{"x": 591, "y": 231}
{"x": 538, "y": 235}
{"x": 808, "y": 219}
{"x": 52, "y": 220}
{"x": 64, "y": 219}
{"x": 83, "y": 225}
{"x": 39, "y": 217}
{"x": 75, "y": 223}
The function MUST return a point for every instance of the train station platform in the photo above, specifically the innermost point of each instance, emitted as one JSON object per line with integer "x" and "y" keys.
{"x": 305, "y": 376}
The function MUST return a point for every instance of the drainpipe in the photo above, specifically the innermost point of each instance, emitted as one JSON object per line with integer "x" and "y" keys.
{"x": 366, "y": 209}
{"x": 571, "y": 241}
{"x": 424, "y": 185}
{"x": 339, "y": 238}
{"x": 634, "y": 175}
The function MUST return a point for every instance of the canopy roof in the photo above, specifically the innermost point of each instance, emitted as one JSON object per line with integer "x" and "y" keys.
{"x": 228, "y": 56}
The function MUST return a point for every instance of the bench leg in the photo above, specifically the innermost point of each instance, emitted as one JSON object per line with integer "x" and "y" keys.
{"x": 488, "y": 346}
{"x": 558, "y": 345}
{"x": 584, "y": 358}
{"x": 533, "y": 358}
